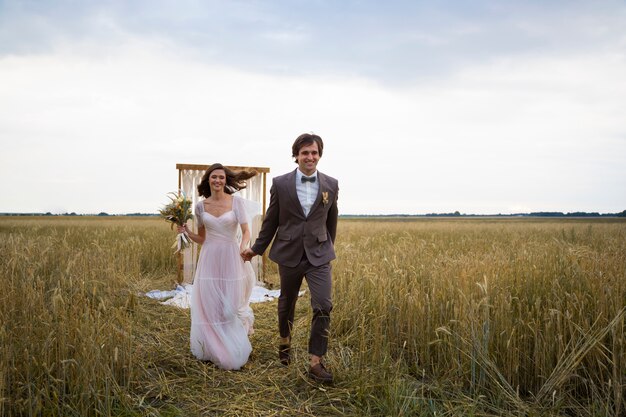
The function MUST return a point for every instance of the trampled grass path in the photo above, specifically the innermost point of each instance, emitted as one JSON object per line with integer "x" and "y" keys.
{"x": 175, "y": 383}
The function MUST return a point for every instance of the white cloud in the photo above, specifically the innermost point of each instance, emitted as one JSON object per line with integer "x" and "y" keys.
{"x": 98, "y": 124}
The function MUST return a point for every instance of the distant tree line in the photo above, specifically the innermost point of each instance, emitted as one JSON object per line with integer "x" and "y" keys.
{"x": 533, "y": 214}
{"x": 454, "y": 214}
{"x": 102, "y": 213}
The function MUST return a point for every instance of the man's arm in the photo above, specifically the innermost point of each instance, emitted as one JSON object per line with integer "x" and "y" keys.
{"x": 270, "y": 223}
{"x": 331, "y": 220}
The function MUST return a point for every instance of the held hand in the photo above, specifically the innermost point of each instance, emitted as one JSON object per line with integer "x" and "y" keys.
{"x": 183, "y": 228}
{"x": 247, "y": 255}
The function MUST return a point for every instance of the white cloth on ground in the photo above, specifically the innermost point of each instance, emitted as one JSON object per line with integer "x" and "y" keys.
{"x": 181, "y": 295}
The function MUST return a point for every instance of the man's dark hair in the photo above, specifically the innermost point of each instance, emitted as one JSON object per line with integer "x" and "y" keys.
{"x": 306, "y": 139}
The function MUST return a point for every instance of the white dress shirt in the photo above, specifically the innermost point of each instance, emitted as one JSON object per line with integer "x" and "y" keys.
{"x": 307, "y": 191}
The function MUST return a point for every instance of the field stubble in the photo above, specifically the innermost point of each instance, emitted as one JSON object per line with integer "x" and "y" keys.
{"x": 446, "y": 317}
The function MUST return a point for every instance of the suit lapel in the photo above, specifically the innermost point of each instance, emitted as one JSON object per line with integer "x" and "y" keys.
{"x": 293, "y": 194}
{"x": 322, "y": 183}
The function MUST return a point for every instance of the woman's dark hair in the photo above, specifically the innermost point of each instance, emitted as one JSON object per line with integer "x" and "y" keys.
{"x": 306, "y": 139}
{"x": 235, "y": 181}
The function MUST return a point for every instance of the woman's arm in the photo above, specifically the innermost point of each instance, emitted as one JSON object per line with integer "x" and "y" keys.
{"x": 245, "y": 237}
{"x": 196, "y": 237}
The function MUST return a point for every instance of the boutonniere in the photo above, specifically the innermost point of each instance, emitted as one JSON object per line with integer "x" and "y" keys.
{"x": 325, "y": 197}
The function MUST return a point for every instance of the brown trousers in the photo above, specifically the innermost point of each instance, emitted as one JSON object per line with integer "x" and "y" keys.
{"x": 319, "y": 280}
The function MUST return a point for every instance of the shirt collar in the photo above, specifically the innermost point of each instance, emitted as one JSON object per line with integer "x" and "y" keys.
{"x": 299, "y": 175}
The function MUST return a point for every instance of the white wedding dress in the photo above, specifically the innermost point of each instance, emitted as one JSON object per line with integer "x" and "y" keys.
{"x": 221, "y": 317}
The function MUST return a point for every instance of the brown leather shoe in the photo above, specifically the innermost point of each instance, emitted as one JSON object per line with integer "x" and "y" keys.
{"x": 320, "y": 374}
{"x": 284, "y": 354}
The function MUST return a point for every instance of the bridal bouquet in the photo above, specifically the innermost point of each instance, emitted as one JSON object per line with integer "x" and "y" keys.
{"x": 178, "y": 211}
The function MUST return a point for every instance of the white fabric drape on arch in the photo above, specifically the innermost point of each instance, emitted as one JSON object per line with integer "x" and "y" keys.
{"x": 253, "y": 194}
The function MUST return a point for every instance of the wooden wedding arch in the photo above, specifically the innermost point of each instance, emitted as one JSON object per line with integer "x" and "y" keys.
{"x": 189, "y": 176}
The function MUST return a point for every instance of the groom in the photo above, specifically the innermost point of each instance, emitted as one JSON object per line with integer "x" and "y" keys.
{"x": 302, "y": 215}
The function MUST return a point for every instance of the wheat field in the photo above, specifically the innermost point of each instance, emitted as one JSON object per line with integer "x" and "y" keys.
{"x": 445, "y": 317}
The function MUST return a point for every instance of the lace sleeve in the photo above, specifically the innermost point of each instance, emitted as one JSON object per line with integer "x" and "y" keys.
{"x": 197, "y": 213}
{"x": 240, "y": 211}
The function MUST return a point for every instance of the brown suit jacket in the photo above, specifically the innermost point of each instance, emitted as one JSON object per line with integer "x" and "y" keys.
{"x": 295, "y": 232}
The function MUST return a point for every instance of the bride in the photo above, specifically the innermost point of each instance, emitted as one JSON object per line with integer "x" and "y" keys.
{"x": 221, "y": 318}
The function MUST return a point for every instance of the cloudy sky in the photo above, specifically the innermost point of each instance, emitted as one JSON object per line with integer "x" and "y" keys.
{"x": 425, "y": 106}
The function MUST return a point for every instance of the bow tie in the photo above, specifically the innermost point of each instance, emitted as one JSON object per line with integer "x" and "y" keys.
{"x": 308, "y": 179}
